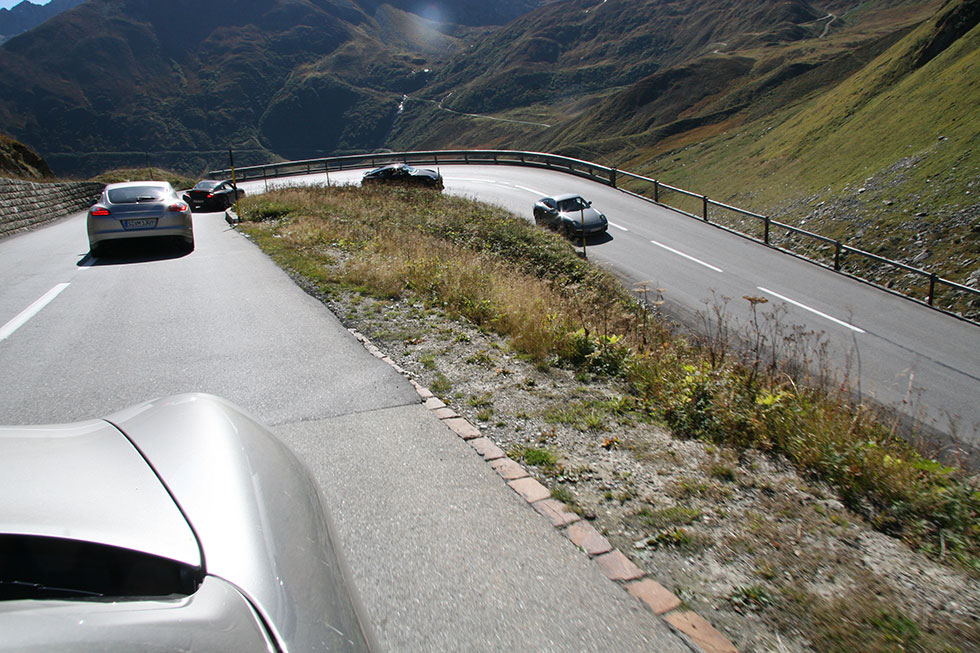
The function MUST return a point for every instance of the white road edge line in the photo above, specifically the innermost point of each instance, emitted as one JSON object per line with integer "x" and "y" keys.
{"x": 812, "y": 310}
{"x": 531, "y": 190}
{"x": 687, "y": 256}
{"x": 7, "y": 329}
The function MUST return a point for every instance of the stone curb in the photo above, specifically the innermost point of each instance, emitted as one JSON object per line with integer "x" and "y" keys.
{"x": 614, "y": 564}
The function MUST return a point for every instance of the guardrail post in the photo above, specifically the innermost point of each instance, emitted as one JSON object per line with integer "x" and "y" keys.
{"x": 704, "y": 207}
{"x": 765, "y": 237}
{"x": 656, "y": 191}
{"x": 932, "y": 288}
{"x": 837, "y": 249}
{"x": 612, "y": 177}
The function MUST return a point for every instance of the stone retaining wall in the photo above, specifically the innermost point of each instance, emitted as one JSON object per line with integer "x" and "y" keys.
{"x": 26, "y": 204}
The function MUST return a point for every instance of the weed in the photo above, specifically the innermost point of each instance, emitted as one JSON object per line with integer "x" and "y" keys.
{"x": 667, "y": 517}
{"x": 539, "y": 457}
{"x": 441, "y": 385}
{"x": 480, "y": 401}
{"x": 482, "y": 358}
{"x": 752, "y": 597}
{"x": 722, "y": 473}
{"x": 563, "y": 494}
{"x": 680, "y": 538}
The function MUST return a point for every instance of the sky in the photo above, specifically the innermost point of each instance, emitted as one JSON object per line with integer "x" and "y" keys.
{"x": 7, "y": 4}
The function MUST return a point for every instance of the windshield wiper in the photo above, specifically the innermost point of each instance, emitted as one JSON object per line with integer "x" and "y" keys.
{"x": 13, "y": 590}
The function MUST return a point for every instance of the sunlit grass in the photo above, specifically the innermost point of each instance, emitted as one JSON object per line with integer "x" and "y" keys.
{"x": 478, "y": 263}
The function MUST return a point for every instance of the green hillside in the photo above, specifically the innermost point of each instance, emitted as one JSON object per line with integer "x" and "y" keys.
{"x": 860, "y": 125}
{"x": 886, "y": 160}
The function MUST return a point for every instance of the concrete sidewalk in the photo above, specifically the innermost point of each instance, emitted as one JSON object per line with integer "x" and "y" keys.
{"x": 447, "y": 556}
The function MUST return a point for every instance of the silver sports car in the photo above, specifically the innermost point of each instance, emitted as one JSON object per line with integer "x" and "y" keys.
{"x": 570, "y": 214}
{"x": 139, "y": 209}
{"x": 177, "y": 524}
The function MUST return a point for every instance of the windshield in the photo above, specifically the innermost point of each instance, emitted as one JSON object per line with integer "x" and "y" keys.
{"x": 207, "y": 184}
{"x": 35, "y": 567}
{"x": 134, "y": 194}
{"x": 572, "y": 204}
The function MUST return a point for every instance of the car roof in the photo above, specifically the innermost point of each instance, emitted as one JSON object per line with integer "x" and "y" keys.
{"x": 131, "y": 184}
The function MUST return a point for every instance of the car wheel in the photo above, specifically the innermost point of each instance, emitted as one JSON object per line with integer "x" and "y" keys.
{"x": 96, "y": 249}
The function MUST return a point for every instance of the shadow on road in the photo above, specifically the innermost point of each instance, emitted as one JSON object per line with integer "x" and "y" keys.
{"x": 128, "y": 253}
{"x": 594, "y": 239}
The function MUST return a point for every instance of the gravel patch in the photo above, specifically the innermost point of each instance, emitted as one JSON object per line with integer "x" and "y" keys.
{"x": 771, "y": 558}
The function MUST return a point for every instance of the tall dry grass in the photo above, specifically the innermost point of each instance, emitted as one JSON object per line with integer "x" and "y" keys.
{"x": 744, "y": 389}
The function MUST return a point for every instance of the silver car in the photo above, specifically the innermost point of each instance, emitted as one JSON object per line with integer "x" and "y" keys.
{"x": 139, "y": 209}
{"x": 570, "y": 214}
{"x": 177, "y": 524}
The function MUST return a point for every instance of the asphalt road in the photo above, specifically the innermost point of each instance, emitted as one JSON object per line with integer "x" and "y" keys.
{"x": 903, "y": 356}
{"x": 444, "y": 555}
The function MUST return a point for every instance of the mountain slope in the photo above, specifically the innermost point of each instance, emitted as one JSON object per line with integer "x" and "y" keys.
{"x": 27, "y": 15}
{"x": 860, "y": 124}
{"x": 885, "y": 160}
{"x": 184, "y": 81}
{"x": 19, "y": 161}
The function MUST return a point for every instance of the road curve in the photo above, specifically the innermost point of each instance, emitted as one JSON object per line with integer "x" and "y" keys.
{"x": 444, "y": 554}
{"x": 902, "y": 355}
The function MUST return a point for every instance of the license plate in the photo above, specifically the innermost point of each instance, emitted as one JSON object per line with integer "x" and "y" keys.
{"x": 143, "y": 223}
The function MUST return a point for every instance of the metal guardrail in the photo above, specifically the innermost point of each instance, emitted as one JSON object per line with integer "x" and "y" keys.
{"x": 841, "y": 258}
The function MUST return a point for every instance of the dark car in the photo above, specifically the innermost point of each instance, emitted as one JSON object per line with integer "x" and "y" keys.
{"x": 570, "y": 214}
{"x": 213, "y": 195}
{"x": 180, "y": 524}
{"x": 404, "y": 175}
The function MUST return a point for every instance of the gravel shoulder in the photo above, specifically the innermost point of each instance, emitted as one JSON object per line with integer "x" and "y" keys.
{"x": 772, "y": 559}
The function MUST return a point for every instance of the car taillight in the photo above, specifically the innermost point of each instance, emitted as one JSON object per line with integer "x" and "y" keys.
{"x": 177, "y": 207}
{"x": 100, "y": 211}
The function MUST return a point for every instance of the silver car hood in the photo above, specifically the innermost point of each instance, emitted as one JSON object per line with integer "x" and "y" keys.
{"x": 87, "y": 482}
{"x": 257, "y": 513}
{"x": 219, "y": 491}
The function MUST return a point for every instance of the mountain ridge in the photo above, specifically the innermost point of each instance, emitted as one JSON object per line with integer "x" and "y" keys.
{"x": 27, "y": 15}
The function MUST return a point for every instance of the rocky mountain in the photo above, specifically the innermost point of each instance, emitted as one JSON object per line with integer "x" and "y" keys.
{"x": 27, "y": 15}
{"x": 19, "y": 161}
{"x": 114, "y": 82}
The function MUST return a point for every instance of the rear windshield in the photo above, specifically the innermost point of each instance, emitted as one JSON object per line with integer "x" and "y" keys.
{"x": 33, "y": 567}
{"x": 205, "y": 185}
{"x": 133, "y": 194}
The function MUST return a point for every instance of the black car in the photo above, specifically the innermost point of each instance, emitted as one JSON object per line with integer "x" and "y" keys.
{"x": 212, "y": 195}
{"x": 403, "y": 174}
